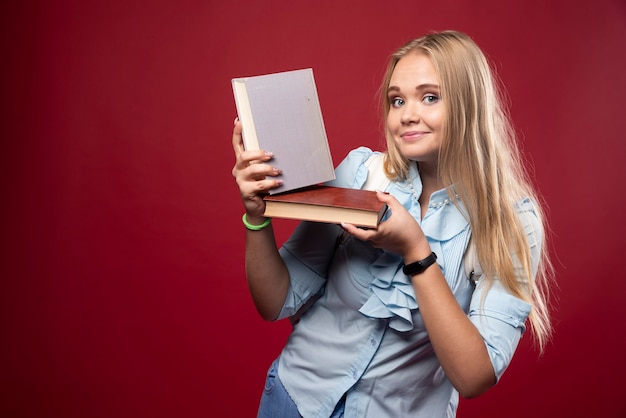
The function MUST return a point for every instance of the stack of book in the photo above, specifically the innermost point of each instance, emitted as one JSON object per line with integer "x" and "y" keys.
{"x": 281, "y": 113}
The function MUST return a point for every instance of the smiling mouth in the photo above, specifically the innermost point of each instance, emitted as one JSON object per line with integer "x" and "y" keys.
{"x": 413, "y": 135}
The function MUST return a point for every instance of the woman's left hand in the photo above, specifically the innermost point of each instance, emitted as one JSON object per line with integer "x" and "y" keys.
{"x": 400, "y": 233}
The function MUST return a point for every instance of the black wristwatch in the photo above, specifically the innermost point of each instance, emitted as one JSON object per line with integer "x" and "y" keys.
{"x": 419, "y": 266}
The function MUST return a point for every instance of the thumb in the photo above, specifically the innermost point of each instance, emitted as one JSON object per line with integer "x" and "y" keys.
{"x": 387, "y": 198}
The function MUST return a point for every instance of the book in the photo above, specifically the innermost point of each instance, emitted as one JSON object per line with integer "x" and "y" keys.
{"x": 281, "y": 113}
{"x": 327, "y": 204}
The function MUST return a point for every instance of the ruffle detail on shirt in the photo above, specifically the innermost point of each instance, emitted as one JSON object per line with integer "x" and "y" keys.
{"x": 393, "y": 296}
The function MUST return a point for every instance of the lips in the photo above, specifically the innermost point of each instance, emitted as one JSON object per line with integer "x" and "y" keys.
{"x": 413, "y": 135}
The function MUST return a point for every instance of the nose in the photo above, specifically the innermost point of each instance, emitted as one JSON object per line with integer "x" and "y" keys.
{"x": 410, "y": 113}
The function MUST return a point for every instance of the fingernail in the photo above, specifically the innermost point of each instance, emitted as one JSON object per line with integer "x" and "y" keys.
{"x": 269, "y": 154}
{"x": 235, "y": 121}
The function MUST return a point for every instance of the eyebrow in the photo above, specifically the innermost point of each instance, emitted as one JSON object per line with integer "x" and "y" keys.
{"x": 425, "y": 86}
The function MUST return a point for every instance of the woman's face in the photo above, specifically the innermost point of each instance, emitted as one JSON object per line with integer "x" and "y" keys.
{"x": 416, "y": 112}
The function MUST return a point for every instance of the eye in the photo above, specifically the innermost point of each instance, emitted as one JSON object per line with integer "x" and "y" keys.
{"x": 396, "y": 102}
{"x": 430, "y": 98}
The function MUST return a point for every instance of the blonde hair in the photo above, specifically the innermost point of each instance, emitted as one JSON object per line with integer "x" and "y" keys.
{"x": 479, "y": 162}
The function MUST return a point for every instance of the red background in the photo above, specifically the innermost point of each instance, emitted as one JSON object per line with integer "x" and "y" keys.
{"x": 122, "y": 285}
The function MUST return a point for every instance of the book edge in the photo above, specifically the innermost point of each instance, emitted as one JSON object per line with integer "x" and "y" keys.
{"x": 326, "y": 214}
{"x": 288, "y": 197}
{"x": 322, "y": 123}
{"x": 244, "y": 112}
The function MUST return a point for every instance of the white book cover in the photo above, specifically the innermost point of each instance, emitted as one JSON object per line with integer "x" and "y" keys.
{"x": 281, "y": 113}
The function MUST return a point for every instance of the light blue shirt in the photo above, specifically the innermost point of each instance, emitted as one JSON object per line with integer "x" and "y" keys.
{"x": 364, "y": 337}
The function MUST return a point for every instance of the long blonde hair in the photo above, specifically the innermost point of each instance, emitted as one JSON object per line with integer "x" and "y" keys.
{"x": 479, "y": 162}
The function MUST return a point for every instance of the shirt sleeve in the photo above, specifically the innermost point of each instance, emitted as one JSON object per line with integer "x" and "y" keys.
{"x": 498, "y": 315}
{"x": 352, "y": 171}
{"x": 310, "y": 249}
{"x": 307, "y": 254}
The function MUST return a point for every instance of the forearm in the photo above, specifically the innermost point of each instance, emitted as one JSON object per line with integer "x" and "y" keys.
{"x": 268, "y": 277}
{"x": 457, "y": 343}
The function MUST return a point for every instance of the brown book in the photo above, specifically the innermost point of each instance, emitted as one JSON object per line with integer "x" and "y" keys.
{"x": 327, "y": 204}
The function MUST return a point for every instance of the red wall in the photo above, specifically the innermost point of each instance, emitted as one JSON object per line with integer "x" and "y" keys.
{"x": 121, "y": 280}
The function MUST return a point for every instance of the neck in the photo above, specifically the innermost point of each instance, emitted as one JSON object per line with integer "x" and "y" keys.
{"x": 429, "y": 174}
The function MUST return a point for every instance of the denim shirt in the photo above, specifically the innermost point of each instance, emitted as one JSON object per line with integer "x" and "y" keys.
{"x": 364, "y": 336}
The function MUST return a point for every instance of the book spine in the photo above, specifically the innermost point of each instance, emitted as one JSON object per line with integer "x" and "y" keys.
{"x": 244, "y": 112}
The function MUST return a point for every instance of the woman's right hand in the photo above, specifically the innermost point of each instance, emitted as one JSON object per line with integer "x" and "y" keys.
{"x": 253, "y": 175}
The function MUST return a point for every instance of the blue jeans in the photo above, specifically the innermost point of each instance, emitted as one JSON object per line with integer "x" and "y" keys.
{"x": 276, "y": 402}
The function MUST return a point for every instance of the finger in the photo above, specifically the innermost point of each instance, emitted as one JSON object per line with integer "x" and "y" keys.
{"x": 259, "y": 171}
{"x": 252, "y": 173}
{"x": 349, "y": 228}
{"x": 264, "y": 186}
{"x": 360, "y": 233}
{"x": 239, "y": 147}
{"x": 243, "y": 155}
{"x": 255, "y": 191}
{"x": 237, "y": 138}
{"x": 387, "y": 198}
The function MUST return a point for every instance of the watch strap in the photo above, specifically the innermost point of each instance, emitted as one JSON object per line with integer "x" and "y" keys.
{"x": 419, "y": 266}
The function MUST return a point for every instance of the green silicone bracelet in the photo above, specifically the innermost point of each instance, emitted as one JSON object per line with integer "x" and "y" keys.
{"x": 255, "y": 227}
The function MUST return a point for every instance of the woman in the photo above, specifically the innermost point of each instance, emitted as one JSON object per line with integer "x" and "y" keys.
{"x": 391, "y": 322}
